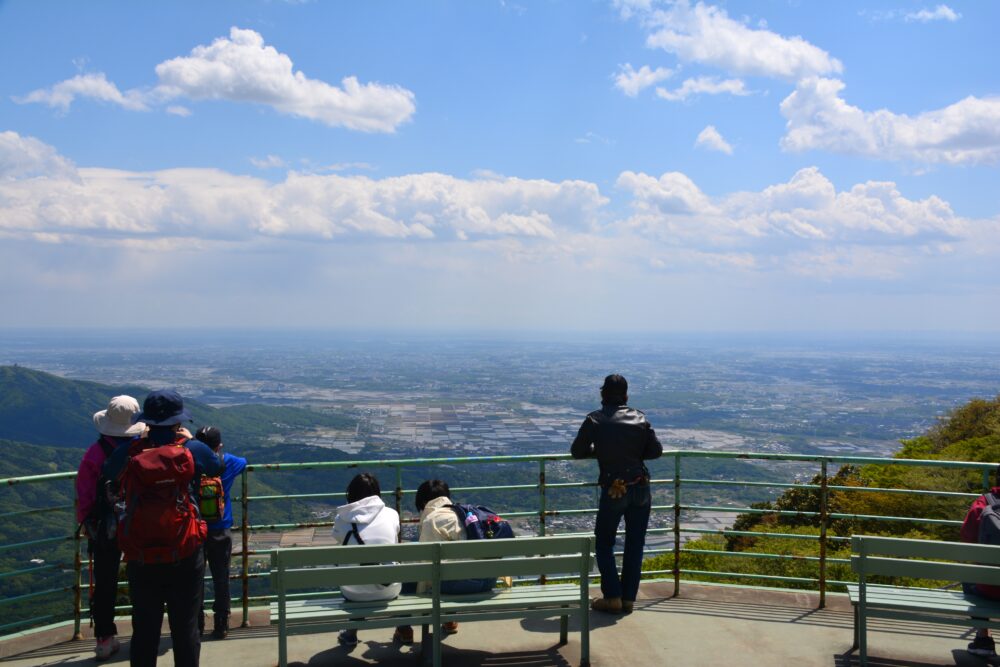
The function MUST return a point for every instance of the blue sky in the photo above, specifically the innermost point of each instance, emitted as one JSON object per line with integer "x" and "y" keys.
{"x": 627, "y": 165}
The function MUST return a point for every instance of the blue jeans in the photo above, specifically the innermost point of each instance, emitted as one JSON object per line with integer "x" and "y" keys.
{"x": 467, "y": 586}
{"x": 634, "y": 506}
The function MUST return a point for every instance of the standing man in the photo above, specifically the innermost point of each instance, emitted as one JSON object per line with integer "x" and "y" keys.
{"x": 161, "y": 533}
{"x": 620, "y": 438}
{"x": 219, "y": 543}
{"x": 95, "y": 512}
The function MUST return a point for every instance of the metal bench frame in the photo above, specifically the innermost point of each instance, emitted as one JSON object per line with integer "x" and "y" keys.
{"x": 895, "y": 557}
{"x": 327, "y": 568}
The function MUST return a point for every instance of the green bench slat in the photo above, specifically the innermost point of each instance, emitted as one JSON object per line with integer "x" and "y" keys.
{"x": 920, "y": 559}
{"x": 325, "y": 568}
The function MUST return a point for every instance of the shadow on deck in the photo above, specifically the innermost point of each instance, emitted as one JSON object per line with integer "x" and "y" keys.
{"x": 707, "y": 625}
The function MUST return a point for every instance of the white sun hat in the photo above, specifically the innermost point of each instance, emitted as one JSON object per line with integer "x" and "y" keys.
{"x": 116, "y": 421}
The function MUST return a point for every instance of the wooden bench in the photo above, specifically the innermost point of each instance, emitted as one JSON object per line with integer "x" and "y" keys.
{"x": 323, "y": 569}
{"x": 894, "y": 557}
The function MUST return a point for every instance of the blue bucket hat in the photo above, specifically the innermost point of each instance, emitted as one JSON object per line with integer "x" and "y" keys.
{"x": 163, "y": 408}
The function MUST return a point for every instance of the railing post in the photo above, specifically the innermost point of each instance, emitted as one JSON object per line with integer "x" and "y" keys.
{"x": 541, "y": 498}
{"x": 399, "y": 491}
{"x": 986, "y": 480}
{"x": 677, "y": 524}
{"x": 541, "y": 505}
{"x": 78, "y": 588}
{"x": 245, "y": 526}
{"x": 823, "y": 520}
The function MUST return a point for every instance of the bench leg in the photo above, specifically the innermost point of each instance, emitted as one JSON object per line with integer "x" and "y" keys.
{"x": 282, "y": 650}
{"x": 863, "y": 636}
{"x": 563, "y": 630}
{"x": 854, "y": 646}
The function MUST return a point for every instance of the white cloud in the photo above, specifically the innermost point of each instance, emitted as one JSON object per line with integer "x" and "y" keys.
{"x": 95, "y": 86}
{"x": 818, "y": 118}
{"x": 706, "y": 35}
{"x": 703, "y": 85}
{"x": 939, "y": 13}
{"x": 594, "y": 137}
{"x": 43, "y": 197}
{"x": 23, "y": 158}
{"x": 631, "y": 81}
{"x": 268, "y": 162}
{"x": 178, "y": 110}
{"x": 243, "y": 69}
{"x": 710, "y": 139}
{"x": 805, "y": 216}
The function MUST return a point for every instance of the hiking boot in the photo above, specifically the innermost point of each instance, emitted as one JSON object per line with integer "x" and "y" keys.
{"x": 221, "y": 630}
{"x": 628, "y": 606}
{"x": 348, "y": 638}
{"x": 449, "y": 628}
{"x": 403, "y": 635}
{"x": 984, "y": 647}
{"x": 106, "y": 647}
{"x": 607, "y": 605}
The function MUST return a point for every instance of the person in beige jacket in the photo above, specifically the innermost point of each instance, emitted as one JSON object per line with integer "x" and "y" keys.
{"x": 439, "y": 522}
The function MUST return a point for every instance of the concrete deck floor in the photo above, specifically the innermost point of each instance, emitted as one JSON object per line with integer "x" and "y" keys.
{"x": 705, "y": 625}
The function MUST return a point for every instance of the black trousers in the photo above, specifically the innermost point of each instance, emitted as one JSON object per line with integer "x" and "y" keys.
{"x": 218, "y": 553}
{"x": 107, "y": 559}
{"x": 179, "y": 587}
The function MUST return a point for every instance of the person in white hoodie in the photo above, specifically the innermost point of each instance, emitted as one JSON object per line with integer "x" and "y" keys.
{"x": 366, "y": 520}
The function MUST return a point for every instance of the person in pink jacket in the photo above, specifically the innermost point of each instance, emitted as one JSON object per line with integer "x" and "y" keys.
{"x": 95, "y": 513}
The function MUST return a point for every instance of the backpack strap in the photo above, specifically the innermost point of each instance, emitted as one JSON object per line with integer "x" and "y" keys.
{"x": 353, "y": 531}
{"x": 107, "y": 446}
{"x": 991, "y": 499}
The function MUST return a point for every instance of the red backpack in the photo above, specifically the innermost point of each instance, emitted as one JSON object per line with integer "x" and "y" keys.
{"x": 160, "y": 523}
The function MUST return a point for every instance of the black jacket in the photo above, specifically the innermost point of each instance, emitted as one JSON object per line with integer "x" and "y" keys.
{"x": 620, "y": 438}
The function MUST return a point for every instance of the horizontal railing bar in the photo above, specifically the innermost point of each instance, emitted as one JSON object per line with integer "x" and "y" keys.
{"x": 32, "y": 543}
{"x": 767, "y": 577}
{"x": 37, "y": 510}
{"x": 915, "y": 492}
{"x": 749, "y": 533}
{"x": 28, "y": 479}
{"x": 724, "y": 482}
{"x": 26, "y": 621}
{"x": 35, "y": 594}
{"x": 29, "y": 570}
{"x": 914, "y": 519}
{"x": 523, "y": 458}
{"x": 747, "y": 510}
{"x": 751, "y": 554}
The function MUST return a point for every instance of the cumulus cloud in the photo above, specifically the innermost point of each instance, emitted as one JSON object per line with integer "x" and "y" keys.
{"x": 939, "y": 13}
{"x": 631, "y": 81}
{"x": 95, "y": 86}
{"x": 710, "y": 139}
{"x": 703, "y": 85}
{"x": 242, "y": 68}
{"x": 819, "y": 118}
{"x": 706, "y": 35}
{"x": 25, "y": 158}
{"x": 43, "y": 197}
{"x": 806, "y": 215}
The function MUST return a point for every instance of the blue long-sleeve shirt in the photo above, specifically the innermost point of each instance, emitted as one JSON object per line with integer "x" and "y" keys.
{"x": 232, "y": 467}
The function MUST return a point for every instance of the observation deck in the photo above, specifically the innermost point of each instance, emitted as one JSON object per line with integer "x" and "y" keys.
{"x": 686, "y": 615}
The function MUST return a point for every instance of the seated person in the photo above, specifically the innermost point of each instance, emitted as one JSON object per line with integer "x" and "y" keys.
{"x": 439, "y": 523}
{"x": 983, "y": 644}
{"x": 366, "y": 520}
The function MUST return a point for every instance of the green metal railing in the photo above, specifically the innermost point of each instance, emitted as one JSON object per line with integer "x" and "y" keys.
{"x": 542, "y": 488}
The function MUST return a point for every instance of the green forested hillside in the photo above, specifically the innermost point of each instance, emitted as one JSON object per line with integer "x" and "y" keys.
{"x": 45, "y": 409}
{"x": 969, "y": 433}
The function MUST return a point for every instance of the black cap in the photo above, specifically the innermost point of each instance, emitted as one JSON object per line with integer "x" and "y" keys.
{"x": 162, "y": 408}
{"x": 210, "y": 435}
